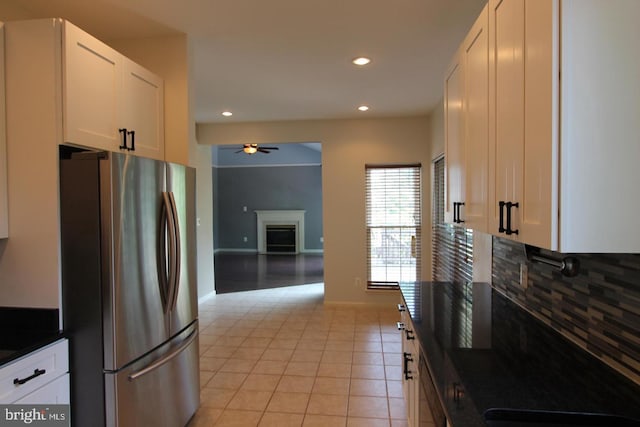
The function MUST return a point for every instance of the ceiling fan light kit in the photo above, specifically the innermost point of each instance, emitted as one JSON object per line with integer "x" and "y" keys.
{"x": 254, "y": 148}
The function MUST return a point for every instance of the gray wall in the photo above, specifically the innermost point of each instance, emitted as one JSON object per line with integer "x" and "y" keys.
{"x": 264, "y": 188}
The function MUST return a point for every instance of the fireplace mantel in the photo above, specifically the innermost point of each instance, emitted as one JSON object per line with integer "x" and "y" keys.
{"x": 280, "y": 217}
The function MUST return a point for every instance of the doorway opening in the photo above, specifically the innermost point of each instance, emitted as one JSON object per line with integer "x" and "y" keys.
{"x": 267, "y": 216}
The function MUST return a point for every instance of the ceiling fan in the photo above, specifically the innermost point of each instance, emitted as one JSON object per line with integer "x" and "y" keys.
{"x": 254, "y": 148}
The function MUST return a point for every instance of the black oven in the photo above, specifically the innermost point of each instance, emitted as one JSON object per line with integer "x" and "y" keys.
{"x": 429, "y": 399}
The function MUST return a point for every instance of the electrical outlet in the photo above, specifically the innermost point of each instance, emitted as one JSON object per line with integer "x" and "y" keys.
{"x": 244, "y": 209}
{"x": 524, "y": 275}
{"x": 321, "y": 239}
{"x": 245, "y": 239}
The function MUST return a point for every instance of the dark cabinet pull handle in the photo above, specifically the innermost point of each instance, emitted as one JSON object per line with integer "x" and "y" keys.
{"x": 123, "y": 132}
{"x": 501, "y": 228}
{"x": 510, "y": 205}
{"x": 401, "y": 307}
{"x": 459, "y": 220}
{"x": 407, "y": 373}
{"x": 133, "y": 140}
{"x": 456, "y": 212}
{"x": 409, "y": 334}
{"x": 400, "y": 326}
{"x": 36, "y": 373}
{"x": 458, "y": 392}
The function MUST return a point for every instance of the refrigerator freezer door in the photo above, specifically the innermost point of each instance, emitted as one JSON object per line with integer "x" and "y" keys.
{"x": 181, "y": 185}
{"x": 161, "y": 389}
{"x": 134, "y": 319}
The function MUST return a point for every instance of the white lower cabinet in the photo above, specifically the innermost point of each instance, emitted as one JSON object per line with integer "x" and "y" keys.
{"x": 410, "y": 363}
{"x": 40, "y": 377}
{"x": 55, "y": 392}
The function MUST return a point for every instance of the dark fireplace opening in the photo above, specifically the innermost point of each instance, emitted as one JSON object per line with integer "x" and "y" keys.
{"x": 281, "y": 238}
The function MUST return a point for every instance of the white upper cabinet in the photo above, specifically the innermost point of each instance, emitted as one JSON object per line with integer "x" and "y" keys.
{"x": 564, "y": 103}
{"x": 110, "y": 102}
{"x": 522, "y": 121}
{"x": 92, "y": 90}
{"x": 475, "y": 60}
{"x": 454, "y": 154}
{"x": 143, "y": 110}
{"x": 466, "y": 130}
{"x": 4, "y": 214}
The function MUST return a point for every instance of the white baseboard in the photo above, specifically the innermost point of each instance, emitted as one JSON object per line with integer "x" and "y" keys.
{"x": 255, "y": 251}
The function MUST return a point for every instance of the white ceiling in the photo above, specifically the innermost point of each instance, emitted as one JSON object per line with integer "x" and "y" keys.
{"x": 290, "y": 59}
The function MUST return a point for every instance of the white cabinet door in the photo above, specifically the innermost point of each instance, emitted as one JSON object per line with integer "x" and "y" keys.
{"x": 410, "y": 361}
{"x": 454, "y": 154}
{"x": 506, "y": 113}
{"x": 538, "y": 213}
{"x": 56, "y": 392}
{"x": 143, "y": 110}
{"x": 92, "y": 91}
{"x": 4, "y": 214}
{"x": 475, "y": 59}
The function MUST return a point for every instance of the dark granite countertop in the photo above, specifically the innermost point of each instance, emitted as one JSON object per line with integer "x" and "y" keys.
{"x": 501, "y": 356}
{"x": 25, "y": 330}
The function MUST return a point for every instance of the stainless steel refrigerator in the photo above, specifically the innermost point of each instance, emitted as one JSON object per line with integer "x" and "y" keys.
{"x": 129, "y": 289}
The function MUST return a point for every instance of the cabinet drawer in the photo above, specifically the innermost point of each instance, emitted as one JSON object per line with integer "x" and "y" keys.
{"x": 52, "y": 359}
{"x": 56, "y": 392}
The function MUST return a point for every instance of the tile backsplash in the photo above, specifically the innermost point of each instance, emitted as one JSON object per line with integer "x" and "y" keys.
{"x": 599, "y": 309}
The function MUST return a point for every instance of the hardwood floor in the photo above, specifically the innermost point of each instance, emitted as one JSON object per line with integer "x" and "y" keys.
{"x": 236, "y": 272}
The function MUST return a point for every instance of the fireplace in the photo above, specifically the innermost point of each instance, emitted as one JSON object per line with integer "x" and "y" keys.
{"x": 280, "y": 231}
{"x": 281, "y": 238}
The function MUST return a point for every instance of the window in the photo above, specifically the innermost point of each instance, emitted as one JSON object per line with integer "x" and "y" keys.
{"x": 393, "y": 225}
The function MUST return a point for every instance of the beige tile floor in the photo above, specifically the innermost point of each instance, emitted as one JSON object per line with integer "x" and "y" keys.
{"x": 280, "y": 357}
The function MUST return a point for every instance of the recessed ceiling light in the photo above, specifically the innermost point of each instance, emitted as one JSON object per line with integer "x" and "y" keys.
{"x": 363, "y": 108}
{"x": 227, "y": 113}
{"x": 362, "y": 60}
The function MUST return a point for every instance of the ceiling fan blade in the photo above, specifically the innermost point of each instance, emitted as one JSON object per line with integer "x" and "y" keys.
{"x": 263, "y": 150}
{"x": 239, "y": 151}
{"x": 270, "y": 148}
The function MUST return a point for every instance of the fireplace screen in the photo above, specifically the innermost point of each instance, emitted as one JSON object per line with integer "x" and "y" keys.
{"x": 281, "y": 238}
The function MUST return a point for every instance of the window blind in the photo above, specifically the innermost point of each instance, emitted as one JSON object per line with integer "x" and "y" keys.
{"x": 452, "y": 247}
{"x": 393, "y": 208}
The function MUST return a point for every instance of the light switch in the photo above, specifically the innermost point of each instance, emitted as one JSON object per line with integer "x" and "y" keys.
{"x": 244, "y": 209}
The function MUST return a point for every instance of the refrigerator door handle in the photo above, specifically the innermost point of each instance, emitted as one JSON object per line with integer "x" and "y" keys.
{"x": 163, "y": 278}
{"x": 168, "y": 228}
{"x": 176, "y": 251}
{"x": 165, "y": 359}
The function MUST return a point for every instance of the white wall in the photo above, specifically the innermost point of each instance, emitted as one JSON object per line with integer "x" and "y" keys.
{"x": 347, "y": 145}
